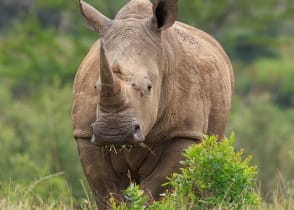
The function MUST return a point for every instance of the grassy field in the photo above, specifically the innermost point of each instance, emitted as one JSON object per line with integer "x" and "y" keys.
{"x": 18, "y": 199}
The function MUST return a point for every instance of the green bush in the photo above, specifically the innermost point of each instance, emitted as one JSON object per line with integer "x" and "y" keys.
{"x": 213, "y": 176}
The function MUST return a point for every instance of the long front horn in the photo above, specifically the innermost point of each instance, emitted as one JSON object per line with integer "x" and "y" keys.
{"x": 111, "y": 92}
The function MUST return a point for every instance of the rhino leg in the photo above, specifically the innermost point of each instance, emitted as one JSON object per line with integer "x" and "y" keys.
{"x": 167, "y": 164}
{"x": 99, "y": 172}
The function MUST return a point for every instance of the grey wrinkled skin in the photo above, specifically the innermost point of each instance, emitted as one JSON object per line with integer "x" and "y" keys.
{"x": 150, "y": 82}
{"x": 116, "y": 128}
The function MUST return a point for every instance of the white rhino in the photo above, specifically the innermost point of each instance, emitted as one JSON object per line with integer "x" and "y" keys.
{"x": 149, "y": 80}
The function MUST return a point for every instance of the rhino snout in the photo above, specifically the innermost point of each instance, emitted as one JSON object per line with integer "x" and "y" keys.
{"x": 104, "y": 134}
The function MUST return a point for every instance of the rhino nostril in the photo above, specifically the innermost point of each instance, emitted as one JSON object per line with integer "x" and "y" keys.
{"x": 138, "y": 134}
{"x": 149, "y": 87}
{"x": 137, "y": 127}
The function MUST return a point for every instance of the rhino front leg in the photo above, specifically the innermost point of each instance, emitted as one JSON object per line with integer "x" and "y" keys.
{"x": 99, "y": 172}
{"x": 168, "y": 163}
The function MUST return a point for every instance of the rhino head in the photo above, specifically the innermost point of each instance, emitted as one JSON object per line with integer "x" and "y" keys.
{"x": 131, "y": 63}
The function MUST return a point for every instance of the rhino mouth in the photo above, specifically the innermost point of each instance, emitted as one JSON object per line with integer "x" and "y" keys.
{"x": 109, "y": 134}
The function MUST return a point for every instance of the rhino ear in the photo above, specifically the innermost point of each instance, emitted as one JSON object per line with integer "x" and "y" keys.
{"x": 94, "y": 20}
{"x": 164, "y": 14}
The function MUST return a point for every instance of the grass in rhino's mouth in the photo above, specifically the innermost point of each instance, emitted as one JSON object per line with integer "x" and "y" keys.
{"x": 122, "y": 147}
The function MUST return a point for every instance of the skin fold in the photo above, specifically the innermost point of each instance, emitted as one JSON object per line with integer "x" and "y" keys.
{"x": 150, "y": 82}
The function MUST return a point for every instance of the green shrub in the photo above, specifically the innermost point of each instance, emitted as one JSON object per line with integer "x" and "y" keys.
{"x": 135, "y": 200}
{"x": 213, "y": 177}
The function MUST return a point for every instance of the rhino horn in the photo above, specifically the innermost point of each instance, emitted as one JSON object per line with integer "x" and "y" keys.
{"x": 111, "y": 89}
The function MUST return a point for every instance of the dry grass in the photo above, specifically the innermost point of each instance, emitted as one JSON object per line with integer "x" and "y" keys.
{"x": 281, "y": 199}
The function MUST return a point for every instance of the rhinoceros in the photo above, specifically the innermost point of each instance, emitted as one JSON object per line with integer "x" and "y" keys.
{"x": 149, "y": 82}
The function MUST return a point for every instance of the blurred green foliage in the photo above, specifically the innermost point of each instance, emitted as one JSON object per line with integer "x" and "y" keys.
{"x": 43, "y": 42}
{"x": 36, "y": 138}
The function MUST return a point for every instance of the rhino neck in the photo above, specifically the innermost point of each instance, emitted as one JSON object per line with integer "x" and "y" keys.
{"x": 168, "y": 69}
{"x": 138, "y": 9}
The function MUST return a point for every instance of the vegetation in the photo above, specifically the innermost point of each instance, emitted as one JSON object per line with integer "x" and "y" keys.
{"x": 213, "y": 177}
{"x": 42, "y": 44}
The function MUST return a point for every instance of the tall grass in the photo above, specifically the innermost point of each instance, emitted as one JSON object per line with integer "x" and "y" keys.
{"x": 282, "y": 198}
{"x": 17, "y": 197}
{"x": 12, "y": 199}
